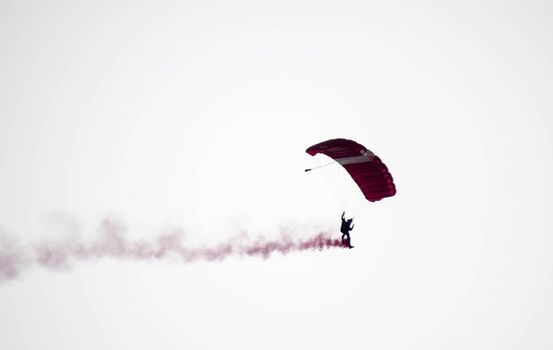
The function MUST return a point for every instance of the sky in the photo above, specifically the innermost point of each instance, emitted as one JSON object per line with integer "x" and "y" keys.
{"x": 193, "y": 117}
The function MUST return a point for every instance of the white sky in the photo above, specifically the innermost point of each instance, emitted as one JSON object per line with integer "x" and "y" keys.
{"x": 196, "y": 114}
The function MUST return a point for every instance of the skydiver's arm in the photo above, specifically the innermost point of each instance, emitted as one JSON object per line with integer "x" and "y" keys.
{"x": 343, "y": 213}
{"x": 352, "y": 226}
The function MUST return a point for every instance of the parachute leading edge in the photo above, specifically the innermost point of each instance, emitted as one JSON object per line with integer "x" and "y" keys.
{"x": 366, "y": 169}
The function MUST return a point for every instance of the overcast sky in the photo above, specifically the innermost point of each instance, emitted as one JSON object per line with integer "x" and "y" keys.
{"x": 196, "y": 115}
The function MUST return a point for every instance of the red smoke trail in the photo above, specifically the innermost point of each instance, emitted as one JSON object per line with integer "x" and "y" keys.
{"x": 112, "y": 243}
{"x": 12, "y": 260}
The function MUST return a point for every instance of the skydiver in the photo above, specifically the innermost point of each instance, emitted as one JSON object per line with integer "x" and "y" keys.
{"x": 347, "y": 226}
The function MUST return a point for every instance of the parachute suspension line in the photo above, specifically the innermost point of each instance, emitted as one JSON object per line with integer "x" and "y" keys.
{"x": 320, "y": 166}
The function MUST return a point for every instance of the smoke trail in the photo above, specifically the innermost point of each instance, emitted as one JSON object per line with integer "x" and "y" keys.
{"x": 112, "y": 243}
{"x": 13, "y": 260}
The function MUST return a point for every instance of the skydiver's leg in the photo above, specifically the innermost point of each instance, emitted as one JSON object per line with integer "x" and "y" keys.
{"x": 349, "y": 241}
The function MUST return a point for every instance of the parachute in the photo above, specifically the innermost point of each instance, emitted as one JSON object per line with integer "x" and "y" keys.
{"x": 366, "y": 169}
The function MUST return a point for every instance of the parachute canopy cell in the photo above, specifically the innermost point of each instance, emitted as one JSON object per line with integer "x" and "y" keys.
{"x": 366, "y": 169}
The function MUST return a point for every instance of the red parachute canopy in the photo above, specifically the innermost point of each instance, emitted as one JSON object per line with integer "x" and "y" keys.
{"x": 366, "y": 169}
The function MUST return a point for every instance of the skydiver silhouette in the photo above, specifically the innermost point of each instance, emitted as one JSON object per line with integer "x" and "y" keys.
{"x": 345, "y": 228}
